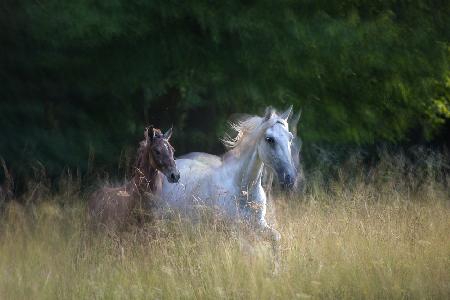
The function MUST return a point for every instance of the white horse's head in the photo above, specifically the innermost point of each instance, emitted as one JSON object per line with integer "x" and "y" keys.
{"x": 269, "y": 136}
{"x": 274, "y": 147}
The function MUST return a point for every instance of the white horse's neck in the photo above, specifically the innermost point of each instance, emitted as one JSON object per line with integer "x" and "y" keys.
{"x": 249, "y": 170}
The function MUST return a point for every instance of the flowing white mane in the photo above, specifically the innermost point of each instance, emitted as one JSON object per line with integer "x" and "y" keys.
{"x": 249, "y": 129}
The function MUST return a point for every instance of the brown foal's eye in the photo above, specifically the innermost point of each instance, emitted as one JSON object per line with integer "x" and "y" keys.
{"x": 157, "y": 152}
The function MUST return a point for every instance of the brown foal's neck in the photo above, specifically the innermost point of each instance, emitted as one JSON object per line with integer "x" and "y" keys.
{"x": 144, "y": 173}
{"x": 144, "y": 181}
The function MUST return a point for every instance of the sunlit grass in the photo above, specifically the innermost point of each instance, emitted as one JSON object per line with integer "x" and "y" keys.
{"x": 359, "y": 237}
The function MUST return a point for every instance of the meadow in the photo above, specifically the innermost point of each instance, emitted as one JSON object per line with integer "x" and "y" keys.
{"x": 355, "y": 232}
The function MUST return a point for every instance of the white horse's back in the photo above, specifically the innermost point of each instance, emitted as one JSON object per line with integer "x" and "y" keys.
{"x": 202, "y": 185}
{"x": 192, "y": 173}
{"x": 206, "y": 158}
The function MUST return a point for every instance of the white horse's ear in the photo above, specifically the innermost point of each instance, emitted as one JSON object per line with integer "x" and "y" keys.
{"x": 294, "y": 121}
{"x": 285, "y": 116}
{"x": 168, "y": 134}
{"x": 268, "y": 114}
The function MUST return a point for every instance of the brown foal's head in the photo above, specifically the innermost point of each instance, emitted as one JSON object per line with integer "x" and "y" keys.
{"x": 160, "y": 153}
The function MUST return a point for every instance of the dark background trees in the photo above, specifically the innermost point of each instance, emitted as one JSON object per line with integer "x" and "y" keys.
{"x": 80, "y": 79}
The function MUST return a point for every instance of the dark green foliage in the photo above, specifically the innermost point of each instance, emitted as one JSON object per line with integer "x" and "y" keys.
{"x": 82, "y": 78}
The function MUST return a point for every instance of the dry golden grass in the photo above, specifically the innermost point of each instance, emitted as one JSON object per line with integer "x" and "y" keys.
{"x": 377, "y": 234}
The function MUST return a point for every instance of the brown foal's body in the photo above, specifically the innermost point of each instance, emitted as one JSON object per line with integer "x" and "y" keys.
{"x": 114, "y": 208}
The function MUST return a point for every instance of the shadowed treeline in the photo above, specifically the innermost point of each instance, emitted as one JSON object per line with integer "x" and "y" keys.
{"x": 80, "y": 80}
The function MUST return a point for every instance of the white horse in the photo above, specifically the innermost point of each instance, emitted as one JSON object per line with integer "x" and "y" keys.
{"x": 232, "y": 182}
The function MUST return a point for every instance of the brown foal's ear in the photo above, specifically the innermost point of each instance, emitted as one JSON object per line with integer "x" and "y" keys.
{"x": 149, "y": 133}
{"x": 168, "y": 134}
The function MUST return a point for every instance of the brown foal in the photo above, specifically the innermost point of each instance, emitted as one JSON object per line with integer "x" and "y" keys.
{"x": 113, "y": 208}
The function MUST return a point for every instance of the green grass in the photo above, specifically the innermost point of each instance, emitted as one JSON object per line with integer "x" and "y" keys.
{"x": 361, "y": 236}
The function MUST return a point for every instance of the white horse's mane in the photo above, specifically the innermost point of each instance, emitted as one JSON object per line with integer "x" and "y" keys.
{"x": 249, "y": 129}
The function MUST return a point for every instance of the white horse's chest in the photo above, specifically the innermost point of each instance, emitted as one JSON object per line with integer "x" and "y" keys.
{"x": 203, "y": 186}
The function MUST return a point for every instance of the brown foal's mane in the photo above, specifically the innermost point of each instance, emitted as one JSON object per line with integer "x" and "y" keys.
{"x": 144, "y": 173}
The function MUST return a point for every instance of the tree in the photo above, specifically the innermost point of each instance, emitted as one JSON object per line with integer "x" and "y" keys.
{"x": 86, "y": 76}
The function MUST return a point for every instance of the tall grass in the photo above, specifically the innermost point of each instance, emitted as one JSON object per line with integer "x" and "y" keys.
{"x": 381, "y": 232}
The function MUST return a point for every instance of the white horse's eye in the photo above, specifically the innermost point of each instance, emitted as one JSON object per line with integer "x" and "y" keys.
{"x": 270, "y": 140}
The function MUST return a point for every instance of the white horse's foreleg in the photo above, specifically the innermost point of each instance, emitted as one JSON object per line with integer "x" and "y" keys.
{"x": 274, "y": 237}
